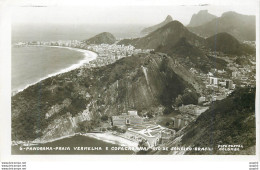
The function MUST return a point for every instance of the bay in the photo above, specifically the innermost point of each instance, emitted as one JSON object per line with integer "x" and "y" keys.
{"x": 71, "y": 142}
{"x": 33, "y": 63}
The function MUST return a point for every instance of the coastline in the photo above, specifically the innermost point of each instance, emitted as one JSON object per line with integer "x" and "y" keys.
{"x": 38, "y": 141}
{"x": 110, "y": 138}
{"x": 107, "y": 137}
{"x": 88, "y": 56}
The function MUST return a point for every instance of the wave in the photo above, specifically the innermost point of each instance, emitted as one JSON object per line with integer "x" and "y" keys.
{"x": 89, "y": 56}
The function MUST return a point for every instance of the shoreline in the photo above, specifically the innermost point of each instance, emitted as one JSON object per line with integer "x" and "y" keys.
{"x": 38, "y": 141}
{"x": 110, "y": 138}
{"x": 107, "y": 137}
{"x": 88, "y": 56}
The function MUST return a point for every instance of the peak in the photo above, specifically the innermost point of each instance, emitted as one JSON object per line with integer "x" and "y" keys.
{"x": 223, "y": 34}
{"x": 102, "y": 38}
{"x": 203, "y": 11}
{"x": 230, "y": 13}
{"x": 105, "y": 33}
{"x": 168, "y": 18}
{"x": 175, "y": 23}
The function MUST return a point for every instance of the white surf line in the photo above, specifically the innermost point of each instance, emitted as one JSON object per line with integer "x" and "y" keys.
{"x": 89, "y": 56}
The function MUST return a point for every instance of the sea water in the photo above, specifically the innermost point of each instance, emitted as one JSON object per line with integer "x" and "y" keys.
{"x": 33, "y": 63}
{"x": 72, "y": 145}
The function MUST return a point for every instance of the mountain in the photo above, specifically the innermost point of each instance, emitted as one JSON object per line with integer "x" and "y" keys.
{"x": 201, "y": 18}
{"x": 168, "y": 34}
{"x": 56, "y": 106}
{"x": 227, "y": 44}
{"x": 192, "y": 56}
{"x": 230, "y": 121}
{"x": 181, "y": 47}
{"x": 155, "y": 27}
{"x": 177, "y": 41}
{"x": 242, "y": 27}
{"x": 102, "y": 38}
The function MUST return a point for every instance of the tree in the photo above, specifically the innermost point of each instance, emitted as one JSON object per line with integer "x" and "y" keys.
{"x": 178, "y": 100}
{"x": 104, "y": 118}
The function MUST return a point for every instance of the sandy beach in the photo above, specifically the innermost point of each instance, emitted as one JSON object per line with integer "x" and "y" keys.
{"x": 110, "y": 138}
{"x": 38, "y": 141}
{"x": 107, "y": 137}
{"x": 88, "y": 56}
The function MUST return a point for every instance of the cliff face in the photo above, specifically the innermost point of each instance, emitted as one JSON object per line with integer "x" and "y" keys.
{"x": 201, "y": 18}
{"x": 56, "y": 106}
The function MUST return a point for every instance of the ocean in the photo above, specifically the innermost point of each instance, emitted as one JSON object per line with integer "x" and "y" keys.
{"x": 95, "y": 147}
{"x": 33, "y": 63}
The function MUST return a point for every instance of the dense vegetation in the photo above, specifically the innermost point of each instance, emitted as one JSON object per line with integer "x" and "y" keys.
{"x": 30, "y": 106}
{"x": 227, "y": 44}
{"x": 111, "y": 90}
{"x": 230, "y": 121}
{"x": 175, "y": 86}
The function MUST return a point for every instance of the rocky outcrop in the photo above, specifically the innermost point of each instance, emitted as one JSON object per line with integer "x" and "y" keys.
{"x": 201, "y": 18}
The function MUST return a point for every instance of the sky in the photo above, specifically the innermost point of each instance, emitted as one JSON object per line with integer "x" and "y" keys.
{"x": 144, "y": 12}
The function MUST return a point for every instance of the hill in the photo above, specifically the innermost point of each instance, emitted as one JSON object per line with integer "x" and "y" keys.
{"x": 192, "y": 56}
{"x": 155, "y": 27}
{"x": 242, "y": 27}
{"x": 102, "y": 38}
{"x": 177, "y": 41}
{"x": 200, "y": 18}
{"x": 141, "y": 82}
{"x": 227, "y": 44}
{"x": 168, "y": 34}
{"x": 228, "y": 122}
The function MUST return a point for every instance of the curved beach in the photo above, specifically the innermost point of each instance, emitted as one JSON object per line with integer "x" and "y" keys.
{"x": 88, "y": 56}
{"x": 107, "y": 137}
{"x": 110, "y": 138}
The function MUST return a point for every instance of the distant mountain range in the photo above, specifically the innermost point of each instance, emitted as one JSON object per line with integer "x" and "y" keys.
{"x": 200, "y": 18}
{"x": 242, "y": 27}
{"x": 102, "y": 38}
{"x": 149, "y": 83}
{"x": 175, "y": 38}
{"x": 155, "y": 27}
{"x": 168, "y": 34}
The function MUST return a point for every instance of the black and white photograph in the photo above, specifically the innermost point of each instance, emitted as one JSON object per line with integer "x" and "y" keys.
{"x": 134, "y": 78}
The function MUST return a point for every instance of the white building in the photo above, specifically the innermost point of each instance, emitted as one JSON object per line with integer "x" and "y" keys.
{"x": 213, "y": 81}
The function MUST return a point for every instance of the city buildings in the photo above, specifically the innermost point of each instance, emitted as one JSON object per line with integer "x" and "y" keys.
{"x": 127, "y": 119}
